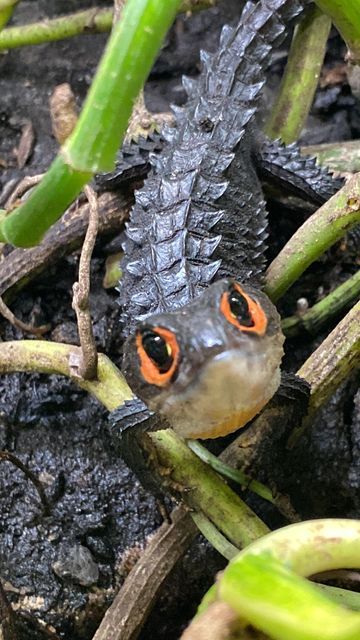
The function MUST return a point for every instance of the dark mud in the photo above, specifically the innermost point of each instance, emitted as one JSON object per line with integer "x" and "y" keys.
{"x": 64, "y": 567}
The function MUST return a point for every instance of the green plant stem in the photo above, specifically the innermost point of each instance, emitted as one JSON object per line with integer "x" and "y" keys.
{"x": 265, "y": 583}
{"x": 301, "y": 76}
{"x": 349, "y": 599}
{"x": 316, "y": 235}
{"x": 213, "y": 535}
{"x": 346, "y": 17}
{"x": 343, "y": 157}
{"x": 6, "y": 10}
{"x": 86, "y": 22}
{"x": 197, "y": 483}
{"x": 336, "y": 358}
{"x": 110, "y": 388}
{"x": 229, "y": 472}
{"x": 203, "y": 490}
{"x": 322, "y": 312}
{"x": 313, "y": 546}
{"x": 102, "y": 124}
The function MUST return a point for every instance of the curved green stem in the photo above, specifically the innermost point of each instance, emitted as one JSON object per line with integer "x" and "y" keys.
{"x": 195, "y": 481}
{"x": 316, "y": 235}
{"x": 345, "y": 294}
{"x": 124, "y": 67}
{"x": 301, "y": 77}
{"x": 203, "y": 490}
{"x": 6, "y": 10}
{"x": 213, "y": 535}
{"x": 229, "y": 472}
{"x": 88, "y": 22}
{"x": 264, "y": 584}
{"x": 85, "y": 22}
{"x": 346, "y": 17}
{"x": 335, "y": 359}
{"x": 110, "y": 388}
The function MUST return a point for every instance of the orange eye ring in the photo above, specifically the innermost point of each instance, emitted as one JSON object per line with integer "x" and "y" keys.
{"x": 257, "y": 314}
{"x": 149, "y": 369}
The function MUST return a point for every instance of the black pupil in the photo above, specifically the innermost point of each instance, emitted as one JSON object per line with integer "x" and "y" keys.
{"x": 155, "y": 347}
{"x": 240, "y": 309}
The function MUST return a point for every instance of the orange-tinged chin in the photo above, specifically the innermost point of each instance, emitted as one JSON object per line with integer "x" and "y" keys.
{"x": 229, "y": 424}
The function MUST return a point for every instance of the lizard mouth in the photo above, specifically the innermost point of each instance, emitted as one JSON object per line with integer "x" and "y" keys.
{"x": 231, "y": 388}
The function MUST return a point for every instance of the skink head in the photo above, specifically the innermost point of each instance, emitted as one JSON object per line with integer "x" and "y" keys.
{"x": 210, "y": 366}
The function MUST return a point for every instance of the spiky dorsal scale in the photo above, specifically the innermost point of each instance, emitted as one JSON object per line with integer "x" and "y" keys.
{"x": 190, "y": 85}
{"x": 226, "y": 36}
{"x": 222, "y": 193}
{"x": 301, "y": 174}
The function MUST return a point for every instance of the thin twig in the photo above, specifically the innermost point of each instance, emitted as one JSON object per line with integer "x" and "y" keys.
{"x": 21, "y": 188}
{"x": 23, "y": 326}
{"x": 9, "y": 457}
{"x": 87, "y": 367}
{"x": 131, "y": 606}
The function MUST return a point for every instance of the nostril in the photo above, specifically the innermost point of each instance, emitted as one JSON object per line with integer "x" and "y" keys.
{"x": 211, "y": 339}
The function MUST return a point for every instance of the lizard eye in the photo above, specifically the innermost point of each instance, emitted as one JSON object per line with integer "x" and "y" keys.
{"x": 239, "y": 308}
{"x": 242, "y": 311}
{"x": 158, "y": 351}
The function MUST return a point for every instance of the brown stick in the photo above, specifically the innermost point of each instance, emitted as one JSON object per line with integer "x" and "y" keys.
{"x": 131, "y": 606}
{"x": 87, "y": 367}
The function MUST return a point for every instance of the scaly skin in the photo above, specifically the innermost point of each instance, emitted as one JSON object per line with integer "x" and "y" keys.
{"x": 199, "y": 225}
{"x": 204, "y": 192}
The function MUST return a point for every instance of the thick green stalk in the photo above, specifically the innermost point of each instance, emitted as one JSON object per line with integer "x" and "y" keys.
{"x": 316, "y": 235}
{"x": 301, "y": 77}
{"x": 336, "y": 358}
{"x": 346, "y": 17}
{"x": 322, "y": 312}
{"x": 102, "y": 124}
{"x": 110, "y": 388}
{"x": 203, "y": 490}
{"x": 27, "y": 224}
{"x": 197, "y": 483}
{"x": 343, "y": 157}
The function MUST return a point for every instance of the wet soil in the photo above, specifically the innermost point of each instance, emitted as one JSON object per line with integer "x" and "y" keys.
{"x": 62, "y": 568}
